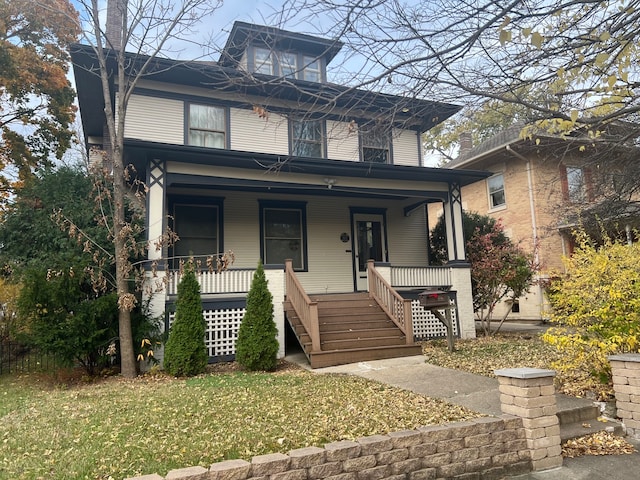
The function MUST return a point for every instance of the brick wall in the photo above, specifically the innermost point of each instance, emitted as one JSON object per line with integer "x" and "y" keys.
{"x": 480, "y": 448}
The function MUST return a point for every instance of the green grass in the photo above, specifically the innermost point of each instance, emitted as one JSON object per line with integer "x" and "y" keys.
{"x": 120, "y": 428}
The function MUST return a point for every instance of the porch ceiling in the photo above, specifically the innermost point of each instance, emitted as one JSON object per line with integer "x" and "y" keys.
{"x": 139, "y": 153}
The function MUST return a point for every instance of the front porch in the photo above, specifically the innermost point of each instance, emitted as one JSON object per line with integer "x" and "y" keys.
{"x": 385, "y": 321}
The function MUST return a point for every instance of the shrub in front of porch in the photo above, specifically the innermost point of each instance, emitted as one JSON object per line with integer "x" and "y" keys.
{"x": 185, "y": 352}
{"x": 257, "y": 345}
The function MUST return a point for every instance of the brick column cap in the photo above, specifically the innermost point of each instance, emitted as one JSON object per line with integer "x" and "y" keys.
{"x": 625, "y": 357}
{"x": 524, "y": 373}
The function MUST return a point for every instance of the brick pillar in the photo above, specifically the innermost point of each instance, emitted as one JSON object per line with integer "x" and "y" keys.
{"x": 529, "y": 393}
{"x": 626, "y": 385}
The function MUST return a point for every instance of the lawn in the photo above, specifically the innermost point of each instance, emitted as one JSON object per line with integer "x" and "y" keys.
{"x": 116, "y": 428}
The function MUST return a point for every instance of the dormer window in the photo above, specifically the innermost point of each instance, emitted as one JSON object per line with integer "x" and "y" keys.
{"x": 263, "y": 61}
{"x": 288, "y": 64}
{"x": 312, "y": 71}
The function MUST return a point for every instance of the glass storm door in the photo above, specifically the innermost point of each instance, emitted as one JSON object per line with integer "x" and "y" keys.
{"x": 369, "y": 244}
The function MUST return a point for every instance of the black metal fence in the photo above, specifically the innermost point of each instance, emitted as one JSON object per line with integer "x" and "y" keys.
{"x": 18, "y": 358}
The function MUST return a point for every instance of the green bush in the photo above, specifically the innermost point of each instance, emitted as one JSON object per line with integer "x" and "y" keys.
{"x": 596, "y": 306}
{"x": 257, "y": 345}
{"x": 185, "y": 352}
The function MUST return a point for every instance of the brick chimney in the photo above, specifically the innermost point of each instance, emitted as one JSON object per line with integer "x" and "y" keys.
{"x": 116, "y": 19}
{"x": 466, "y": 143}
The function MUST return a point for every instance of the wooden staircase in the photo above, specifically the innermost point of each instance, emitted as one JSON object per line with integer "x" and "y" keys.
{"x": 353, "y": 328}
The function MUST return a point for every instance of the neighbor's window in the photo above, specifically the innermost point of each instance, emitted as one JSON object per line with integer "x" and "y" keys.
{"x": 575, "y": 184}
{"x": 197, "y": 227}
{"x": 307, "y": 138}
{"x": 375, "y": 145}
{"x": 312, "y": 71}
{"x": 495, "y": 185}
{"x": 207, "y": 126}
{"x": 283, "y": 234}
{"x": 263, "y": 61}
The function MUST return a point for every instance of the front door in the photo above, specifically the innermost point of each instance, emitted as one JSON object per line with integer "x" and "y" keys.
{"x": 369, "y": 243}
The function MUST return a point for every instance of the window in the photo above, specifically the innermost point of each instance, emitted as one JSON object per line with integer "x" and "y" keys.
{"x": 288, "y": 64}
{"x": 207, "y": 126}
{"x": 312, "y": 71}
{"x": 197, "y": 225}
{"x": 307, "y": 139}
{"x": 263, "y": 61}
{"x": 375, "y": 145}
{"x": 283, "y": 233}
{"x": 495, "y": 185}
{"x": 575, "y": 184}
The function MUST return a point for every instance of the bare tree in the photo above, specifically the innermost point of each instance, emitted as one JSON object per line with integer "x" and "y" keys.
{"x": 126, "y": 48}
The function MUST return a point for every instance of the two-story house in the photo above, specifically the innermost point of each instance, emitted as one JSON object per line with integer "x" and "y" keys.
{"x": 259, "y": 154}
{"x": 539, "y": 187}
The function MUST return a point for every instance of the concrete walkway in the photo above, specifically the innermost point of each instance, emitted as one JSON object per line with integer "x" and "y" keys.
{"x": 480, "y": 394}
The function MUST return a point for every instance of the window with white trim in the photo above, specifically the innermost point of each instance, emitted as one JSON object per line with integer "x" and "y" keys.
{"x": 288, "y": 64}
{"x": 576, "y": 185}
{"x": 307, "y": 138}
{"x": 263, "y": 61}
{"x": 495, "y": 186}
{"x": 207, "y": 126}
{"x": 312, "y": 71}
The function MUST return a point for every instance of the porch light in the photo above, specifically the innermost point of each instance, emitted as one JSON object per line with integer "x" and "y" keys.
{"x": 330, "y": 182}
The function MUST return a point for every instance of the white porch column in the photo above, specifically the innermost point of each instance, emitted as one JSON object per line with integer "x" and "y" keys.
{"x": 276, "y": 284}
{"x": 155, "y": 216}
{"x": 461, "y": 283}
{"x": 453, "y": 224}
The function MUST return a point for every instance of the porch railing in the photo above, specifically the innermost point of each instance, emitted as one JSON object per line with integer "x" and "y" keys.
{"x": 398, "y": 308}
{"x": 306, "y": 310}
{"x": 235, "y": 280}
{"x": 420, "y": 276}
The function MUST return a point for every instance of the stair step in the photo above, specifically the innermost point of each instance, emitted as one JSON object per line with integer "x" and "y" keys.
{"x": 347, "y": 325}
{"x": 353, "y": 355}
{"x": 349, "y": 343}
{"x": 573, "y": 430}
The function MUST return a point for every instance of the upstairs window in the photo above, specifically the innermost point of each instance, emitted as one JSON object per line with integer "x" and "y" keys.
{"x": 495, "y": 185}
{"x": 207, "y": 126}
{"x": 312, "y": 71}
{"x": 263, "y": 61}
{"x": 307, "y": 138}
{"x": 375, "y": 145}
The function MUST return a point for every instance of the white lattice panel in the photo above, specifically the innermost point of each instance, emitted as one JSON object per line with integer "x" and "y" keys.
{"x": 427, "y": 326}
{"x": 221, "y": 330}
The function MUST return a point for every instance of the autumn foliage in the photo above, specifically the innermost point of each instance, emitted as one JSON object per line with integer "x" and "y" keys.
{"x": 36, "y": 98}
{"x": 596, "y": 307}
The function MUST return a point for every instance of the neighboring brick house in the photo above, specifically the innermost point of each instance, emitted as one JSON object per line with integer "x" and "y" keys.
{"x": 259, "y": 154}
{"x": 536, "y": 188}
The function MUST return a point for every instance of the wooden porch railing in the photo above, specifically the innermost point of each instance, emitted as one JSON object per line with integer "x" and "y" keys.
{"x": 306, "y": 310}
{"x": 234, "y": 280}
{"x": 398, "y": 308}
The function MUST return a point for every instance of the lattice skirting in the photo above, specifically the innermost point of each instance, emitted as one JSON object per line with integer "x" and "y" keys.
{"x": 221, "y": 331}
{"x": 426, "y": 326}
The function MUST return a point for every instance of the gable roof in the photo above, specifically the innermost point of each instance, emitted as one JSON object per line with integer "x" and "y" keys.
{"x": 497, "y": 142}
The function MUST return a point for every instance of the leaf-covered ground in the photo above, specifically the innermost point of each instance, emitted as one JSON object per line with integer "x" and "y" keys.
{"x": 483, "y": 355}
{"x": 119, "y": 428}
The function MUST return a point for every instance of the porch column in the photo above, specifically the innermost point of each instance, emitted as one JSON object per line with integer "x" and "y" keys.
{"x": 277, "y": 286}
{"x": 155, "y": 287}
{"x": 453, "y": 223}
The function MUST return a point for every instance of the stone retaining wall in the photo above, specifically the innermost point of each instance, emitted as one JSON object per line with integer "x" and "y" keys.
{"x": 486, "y": 448}
{"x": 625, "y": 370}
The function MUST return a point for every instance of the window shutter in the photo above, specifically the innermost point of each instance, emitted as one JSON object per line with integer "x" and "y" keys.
{"x": 588, "y": 183}
{"x": 564, "y": 182}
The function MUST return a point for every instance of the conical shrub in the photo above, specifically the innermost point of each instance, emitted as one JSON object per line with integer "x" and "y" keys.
{"x": 185, "y": 353}
{"x": 257, "y": 345}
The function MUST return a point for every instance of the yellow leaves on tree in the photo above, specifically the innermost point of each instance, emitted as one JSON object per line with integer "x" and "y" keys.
{"x": 596, "y": 306}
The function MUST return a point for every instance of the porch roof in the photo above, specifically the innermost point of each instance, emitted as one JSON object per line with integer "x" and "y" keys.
{"x": 138, "y": 153}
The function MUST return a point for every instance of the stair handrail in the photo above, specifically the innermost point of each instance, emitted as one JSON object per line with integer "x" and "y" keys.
{"x": 397, "y": 308}
{"x": 306, "y": 310}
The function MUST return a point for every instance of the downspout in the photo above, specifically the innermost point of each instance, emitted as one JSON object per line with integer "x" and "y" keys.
{"x": 534, "y": 223}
